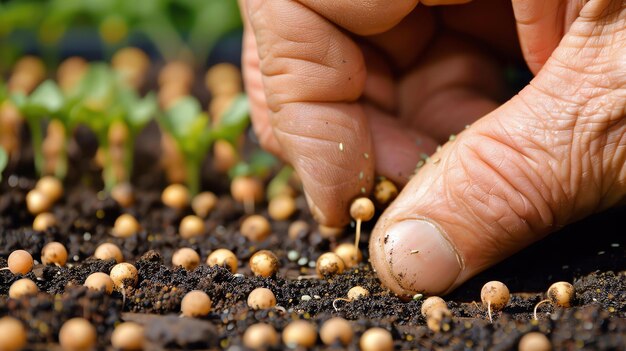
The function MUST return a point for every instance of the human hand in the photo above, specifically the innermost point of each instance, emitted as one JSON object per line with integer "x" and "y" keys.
{"x": 331, "y": 104}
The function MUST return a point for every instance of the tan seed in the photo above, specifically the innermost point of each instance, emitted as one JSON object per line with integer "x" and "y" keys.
{"x": 256, "y": 228}
{"x": 191, "y": 226}
{"x": 54, "y": 253}
{"x": 261, "y": 298}
{"x": 336, "y": 329}
{"x": 20, "y": 261}
{"x": 260, "y": 336}
{"x": 109, "y": 251}
{"x": 264, "y": 263}
{"x": 196, "y": 304}
{"x": 12, "y": 334}
{"x": 186, "y": 258}
{"x": 77, "y": 334}
{"x": 128, "y": 336}
{"x": 223, "y": 258}
{"x": 22, "y": 287}
{"x": 99, "y": 281}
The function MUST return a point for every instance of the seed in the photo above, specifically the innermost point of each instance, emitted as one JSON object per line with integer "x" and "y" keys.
{"x": 261, "y": 298}
{"x": 43, "y": 221}
{"x": 260, "y": 336}
{"x": 329, "y": 232}
{"x": 176, "y": 72}
{"x": 109, "y": 251}
{"x": 561, "y": 294}
{"x": 191, "y": 226}
{"x": 300, "y": 333}
{"x": 349, "y": 253}
{"x": 51, "y": 187}
{"x": 123, "y": 275}
{"x": 336, "y": 329}
{"x": 223, "y": 79}
{"x": 225, "y": 155}
{"x": 99, "y": 281}
{"x": 362, "y": 209}
{"x": 12, "y": 334}
{"x": 37, "y": 202}
{"x": 54, "y": 253}
{"x": 534, "y": 341}
{"x": 432, "y": 303}
{"x": 436, "y": 317}
{"x": 122, "y": 193}
{"x": 128, "y": 336}
{"x": 247, "y": 190}
{"x": 125, "y": 226}
{"x": 264, "y": 263}
{"x": 376, "y": 339}
{"x": 385, "y": 192}
{"x": 203, "y": 203}
{"x": 281, "y": 207}
{"x": 357, "y": 292}
{"x": 20, "y": 261}
{"x": 22, "y": 287}
{"x": 170, "y": 93}
{"x": 196, "y": 304}
{"x": 256, "y": 228}
{"x": 495, "y": 295}
{"x": 329, "y": 264}
{"x": 297, "y": 228}
{"x": 223, "y": 258}
{"x": 77, "y": 334}
{"x": 187, "y": 258}
{"x": 175, "y": 196}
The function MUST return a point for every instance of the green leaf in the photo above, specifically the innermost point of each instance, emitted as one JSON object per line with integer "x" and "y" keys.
{"x": 260, "y": 165}
{"x": 234, "y": 121}
{"x": 48, "y": 96}
{"x": 179, "y": 119}
{"x": 139, "y": 111}
{"x": 4, "y": 160}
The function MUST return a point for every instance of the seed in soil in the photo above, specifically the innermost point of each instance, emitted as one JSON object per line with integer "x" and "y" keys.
{"x": 329, "y": 232}
{"x": 12, "y": 334}
{"x": 223, "y": 258}
{"x": 77, "y": 334}
{"x": 195, "y": 304}
{"x": 432, "y": 303}
{"x": 125, "y": 226}
{"x": 20, "y": 261}
{"x": 43, "y": 221}
{"x": 300, "y": 334}
{"x": 256, "y": 228}
{"x": 559, "y": 294}
{"x": 435, "y": 318}
{"x": 376, "y": 339}
{"x": 191, "y": 226}
{"x": 329, "y": 264}
{"x": 51, "y": 187}
{"x": 349, "y": 253}
{"x": 99, "y": 281}
{"x": 534, "y": 341}
{"x": 37, "y": 202}
{"x": 495, "y": 295}
{"x": 281, "y": 207}
{"x": 123, "y": 275}
{"x": 128, "y": 336}
{"x": 296, "y": 228}
{"x": 385, "y": 192}
{"x": 203, "y": 203}
{"x": 247, "y": 190}
{"x": 261, "y": 298}
{"x": 186, "y": 258}
{"x": 122, "y": 193}
{"x": 361, "y": 210}
{"x": 264, "y": 263}
{"x": 175, "y": 196}
{"x": 54, "y": 253}
{"x": 109, "y": 251}
{"x": 336, "y": 329}
{"x": 260, "y": 336}
{"x": 23, "y": 287}
{"x": 357, "y": 292}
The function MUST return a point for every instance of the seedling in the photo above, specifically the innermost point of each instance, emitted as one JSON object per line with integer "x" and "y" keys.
{"x": 279, "y": 185}
{"x": 361, "y": 210}
{"x": 175, "y": 196}
{"x": 70, "y": 72}
{"x": 128, "y": 336}
{"x": 336, "y": 329}
{"x": 350, "y": 254}
{"x": 261, "y": 298}
{"x": 51, "y": 187}
{"x": 329, "y": 264}
{"x": 191, "y": 226}
{"x": 99, "y": 281}
{"x": 385, "y": 192}
{"x": 264, "y": 263}
{"x": 13, "y": 336}
{"x": 495, "y": 295}
{"x": 22, "y": 287}
{"x": 534, "y": 341}
{"x": 186, "y": 258}
{"x": 20, "y": 261}
{"x": 109, "y": 251}
{"x": 256, "y": 228}
{"x": 376, "y": 339}
{"x": 54, "y": 253}
{"x": 297, "y": 228}
{"x": 195, "y": 304}
{"x": 247, "y": 190}
{"x": 432, "y": 303}
{"x": 246, "y": 186}
{"x": 355, "y": 293}
{"x": 122, "y": 193}
{"x": 281, "y": 207}
{"x": 37, "y": 202}
{"x": 203, "y": 203}
{"x": 125, "y": 226}
{"x": 300, "y": 334}
{"x": 131, "y": 64}
{"x": 123, "y": 275}
{"x": 223, "y": 258}
{"x": 77, "y": 334}
{"x": 559, "y": 294}
{"x": 4, "y": 160}
{"x": 260, "y": 336}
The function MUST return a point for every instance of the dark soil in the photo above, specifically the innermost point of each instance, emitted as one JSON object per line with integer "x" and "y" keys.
{"x": 590, "y": 254}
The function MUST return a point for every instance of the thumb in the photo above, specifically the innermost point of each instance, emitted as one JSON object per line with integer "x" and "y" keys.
{"x": 550, "y": 156}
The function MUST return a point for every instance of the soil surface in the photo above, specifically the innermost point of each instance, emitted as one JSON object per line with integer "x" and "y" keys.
{"x": 590, "y": 254}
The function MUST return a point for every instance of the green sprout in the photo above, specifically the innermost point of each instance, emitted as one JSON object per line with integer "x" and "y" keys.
{"x": 277, "y": 185}
{"x": 259, "y": 165}
{"x": 4, "y": 160}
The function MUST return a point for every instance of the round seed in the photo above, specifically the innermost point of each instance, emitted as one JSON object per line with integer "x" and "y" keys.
{"x": 186, "y": 258}
{"x": 54, "y": 253}
{"x": 20, "y": 261}
{"x": 99, "y": 281}
{"x": 256, "y": 228}
{"x": 109, "y": 251}
{"x": 264, "y": 263}
{"x": 77, "y": 334}
{"x": 223, "y": 258}
{"x": 196, "y": 304}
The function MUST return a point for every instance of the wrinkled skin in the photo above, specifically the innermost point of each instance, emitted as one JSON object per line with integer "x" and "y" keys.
{"x": 344, "y": 90}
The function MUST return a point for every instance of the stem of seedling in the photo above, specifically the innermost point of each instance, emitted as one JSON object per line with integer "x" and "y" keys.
{"x": 489, "y": 312}
{"x": 193, "y": 167}
{"x": 338, "y": 299}
{"x": 34, "y": 124}
{"x": 108, "y": 172}
{"x": 358, "y": 235}
{"x": 537, "y": 306}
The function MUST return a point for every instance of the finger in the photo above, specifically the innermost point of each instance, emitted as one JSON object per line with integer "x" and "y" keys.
{"x": 312, "y": 76}
{"x": 549, "y": 156}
